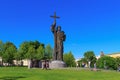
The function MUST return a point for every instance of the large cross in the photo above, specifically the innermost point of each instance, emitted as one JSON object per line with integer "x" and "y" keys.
{"x": 55, "y": 17}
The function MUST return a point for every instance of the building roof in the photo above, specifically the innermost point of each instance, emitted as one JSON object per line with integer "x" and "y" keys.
{"x": 114, "y": 53}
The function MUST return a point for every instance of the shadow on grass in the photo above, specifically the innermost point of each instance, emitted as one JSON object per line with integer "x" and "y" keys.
{"x": 11, "y": 78}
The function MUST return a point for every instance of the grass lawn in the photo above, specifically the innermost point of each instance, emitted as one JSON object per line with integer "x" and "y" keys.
{"x": 22, "y": 73}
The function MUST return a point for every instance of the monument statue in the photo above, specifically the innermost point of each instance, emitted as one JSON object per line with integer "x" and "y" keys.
{"x": 59, "y": 37}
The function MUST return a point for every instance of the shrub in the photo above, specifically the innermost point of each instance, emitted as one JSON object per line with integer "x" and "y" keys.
{"x": 107, "y": 62}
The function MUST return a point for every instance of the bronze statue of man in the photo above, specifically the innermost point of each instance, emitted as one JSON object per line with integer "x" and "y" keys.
{"x": 59, "y": 37}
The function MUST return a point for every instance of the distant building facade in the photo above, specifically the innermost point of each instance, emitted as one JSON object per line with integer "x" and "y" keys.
{"x": 24, "y": 62}
{"x": 114, "y": 55}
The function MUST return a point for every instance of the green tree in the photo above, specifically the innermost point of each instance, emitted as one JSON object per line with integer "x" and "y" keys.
{"x": 9, "y": 52}
{"x": 1, "y": 48}
{"x": 32, "y": 50}
{"x": 1, "y": 51}
{"x": 90, "y": 57}
{"x": 106, "y": 62}
{"x": 69, "y": 59}
{"x": 18, "y": 57}
{"x": 117, "y": 61}
{"x": 30, "y": 55}
{"x": 83, "y": 60}
{"x": 23, "y": 49}
{"x": 48, "y": 51}
{"x": 40, "y": 52}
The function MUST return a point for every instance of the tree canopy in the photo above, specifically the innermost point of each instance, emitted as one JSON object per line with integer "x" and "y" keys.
{"x": 69, "y": 59}
{"x": 48, "y": 51}
{"x": 33, "y": 50}
{"x": 106, "y": 62}
{"x": 9, "y": 52}
{"x": 90, "y": 57}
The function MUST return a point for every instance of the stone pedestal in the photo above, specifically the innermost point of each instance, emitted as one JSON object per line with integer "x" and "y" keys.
{"x": 57, "y": 64}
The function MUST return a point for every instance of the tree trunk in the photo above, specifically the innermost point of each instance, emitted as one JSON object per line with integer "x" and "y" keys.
{"x": 29, "y": 64}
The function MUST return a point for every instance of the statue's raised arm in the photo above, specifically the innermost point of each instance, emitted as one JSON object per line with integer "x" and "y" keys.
{"x": 53, "y": 26}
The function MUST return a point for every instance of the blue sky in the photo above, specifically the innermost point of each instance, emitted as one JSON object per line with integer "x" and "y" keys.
{"x": 88, "y": 24}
